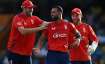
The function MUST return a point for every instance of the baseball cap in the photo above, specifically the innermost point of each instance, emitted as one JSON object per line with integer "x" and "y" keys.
{"x": 77, "y": 11}
{"x": 28, "y": 4}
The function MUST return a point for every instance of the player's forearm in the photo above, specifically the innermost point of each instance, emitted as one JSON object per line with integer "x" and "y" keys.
{"x": 94, "y": 45}
{"x": 40, "y": 44}
{"x": 40, "y": 41}
{"x": 24, "y": 31}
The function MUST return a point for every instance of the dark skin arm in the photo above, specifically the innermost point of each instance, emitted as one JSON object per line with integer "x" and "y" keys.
{"x": 40, "y": 42}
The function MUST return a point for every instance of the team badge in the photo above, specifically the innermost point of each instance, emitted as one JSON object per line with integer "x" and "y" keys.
{"x": 84, "y": 30}
{"x": 19, "y": 23}
{"x": 32, "y": 21}
{"x": 25, "y": 23}
{"x": 53, "y": 28}
{"x": 65, "y": 26}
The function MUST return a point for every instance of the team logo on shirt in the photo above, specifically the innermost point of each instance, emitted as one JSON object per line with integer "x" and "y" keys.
{"x": 25, "y": 23}
{"x": 84, "y": 30}
{"x": 65, "y": 26}
{"x": 53, "y": 28}
{"x": 32, "y": 21}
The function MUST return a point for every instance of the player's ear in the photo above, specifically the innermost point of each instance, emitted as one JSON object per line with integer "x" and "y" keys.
{"x": 22, "y": 7}
{"x": 81, "y": 15}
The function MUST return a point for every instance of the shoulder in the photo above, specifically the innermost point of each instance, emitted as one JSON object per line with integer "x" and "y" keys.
{"x": 18, "y": 16}
{"x": 65, "y": 22}
{"x": 51, "y": 24}
{"x": 70, "y": 23}
{"x": 17, "y": 19}
{"x": 87, "y": 25}
{"x": 35, "y": 17}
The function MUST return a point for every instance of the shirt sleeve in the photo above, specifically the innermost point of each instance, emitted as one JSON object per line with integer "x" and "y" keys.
{"x": 17, "y": 22}
{"x": 92, "y": 35}
{"x": 38, "y": 21}
{"x": 71, "y": 38}
{"x": 72, "y": 28}
{"x": 71, "y": 33}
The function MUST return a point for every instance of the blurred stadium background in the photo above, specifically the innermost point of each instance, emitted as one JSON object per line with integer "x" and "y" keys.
{"x": 93, "y": 12}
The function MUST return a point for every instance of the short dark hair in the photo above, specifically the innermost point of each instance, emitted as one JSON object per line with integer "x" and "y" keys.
{"x": 59, "y": 8}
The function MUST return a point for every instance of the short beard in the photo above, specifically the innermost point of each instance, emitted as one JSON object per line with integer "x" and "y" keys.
{"x": 55, "y": 18}
{"x": 29, "y": 14}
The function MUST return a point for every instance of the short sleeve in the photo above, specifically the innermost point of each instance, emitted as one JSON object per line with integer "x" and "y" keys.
{"x": 92, "y": 35}
{"x": 72, "y": 28}
{"x": 38, "y": 21}
{"x": 17, "y": 22}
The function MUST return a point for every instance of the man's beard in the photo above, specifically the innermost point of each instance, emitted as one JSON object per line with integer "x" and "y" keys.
{"x": 29, "y": 13}
{"x": 55, "y": 18}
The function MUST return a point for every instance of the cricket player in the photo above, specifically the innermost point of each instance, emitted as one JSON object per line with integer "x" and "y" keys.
{"x": 88, "y": 44}
{"x": 22, "y": 35}
{"x": 57, "y": 34}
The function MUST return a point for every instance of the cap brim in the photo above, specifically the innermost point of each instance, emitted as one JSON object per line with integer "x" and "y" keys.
{"x": 30, "y": 7}
{"x": 75, "y": 13}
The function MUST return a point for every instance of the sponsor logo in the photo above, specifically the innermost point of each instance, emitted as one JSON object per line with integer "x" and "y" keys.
{"x": 58, "y": 35}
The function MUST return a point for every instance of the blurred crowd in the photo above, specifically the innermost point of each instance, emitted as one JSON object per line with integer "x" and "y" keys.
{"x": 93, "y": 14}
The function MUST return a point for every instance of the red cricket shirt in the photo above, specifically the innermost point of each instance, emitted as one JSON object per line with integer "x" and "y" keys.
{"x": 80, "y": 53}
{"x": 57, "y": 34}
{"x": 22, "y": 44}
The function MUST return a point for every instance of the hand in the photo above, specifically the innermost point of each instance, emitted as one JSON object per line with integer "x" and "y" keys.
{"x": 44, "y": 25}
{"x": 75, "y": 44}
{"x": 36, "y": 51}
{"x": 66, "y": 46}
{"x": 90, "y": 50}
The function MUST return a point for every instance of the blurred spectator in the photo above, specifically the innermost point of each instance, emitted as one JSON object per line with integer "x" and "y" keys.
{"x": 99, "y": 55}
